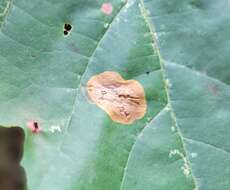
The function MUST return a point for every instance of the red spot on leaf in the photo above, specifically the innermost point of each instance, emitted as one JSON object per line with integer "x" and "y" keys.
{"x": 107, "y": 8}
{"x": 34, "y": 126}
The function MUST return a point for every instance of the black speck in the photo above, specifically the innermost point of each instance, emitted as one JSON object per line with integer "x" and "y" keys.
{"x": 67, "y": 27}
{"x": 147, "y": 72}
{"x": 66, "y": 32}
{"x": 36, "y": 125}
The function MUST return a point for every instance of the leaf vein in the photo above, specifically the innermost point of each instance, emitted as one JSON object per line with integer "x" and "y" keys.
{"x": 208, "y": 144}
{"x": 156, "y": 48}
{"x": 198, "y": 73}
{"x": 134, "y": 144}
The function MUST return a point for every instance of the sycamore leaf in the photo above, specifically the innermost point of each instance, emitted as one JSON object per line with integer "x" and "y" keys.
{"x": 177, "y": 51}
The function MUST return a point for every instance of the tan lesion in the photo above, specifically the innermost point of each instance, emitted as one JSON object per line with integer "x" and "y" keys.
{"x": 123, "y": 100}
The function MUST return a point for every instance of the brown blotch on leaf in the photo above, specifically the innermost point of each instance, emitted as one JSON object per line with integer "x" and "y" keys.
{"x": 123, "y": 100}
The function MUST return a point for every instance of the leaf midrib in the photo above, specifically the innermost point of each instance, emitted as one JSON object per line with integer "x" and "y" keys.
{"x": 173, "y": 115}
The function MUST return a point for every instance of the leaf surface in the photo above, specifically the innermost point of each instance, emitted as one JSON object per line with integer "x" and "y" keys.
{"x": 175, "y": 49}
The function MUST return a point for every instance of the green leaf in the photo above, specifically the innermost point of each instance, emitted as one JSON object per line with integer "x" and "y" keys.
{"x": 177, "y": 50}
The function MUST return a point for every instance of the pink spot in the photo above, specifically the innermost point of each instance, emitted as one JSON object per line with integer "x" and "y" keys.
{"x": 33, "y": 125}
{"x": 107, "y": 8}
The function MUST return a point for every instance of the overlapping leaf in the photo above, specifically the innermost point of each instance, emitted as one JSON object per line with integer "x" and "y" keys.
{"x": 181, "y": 143}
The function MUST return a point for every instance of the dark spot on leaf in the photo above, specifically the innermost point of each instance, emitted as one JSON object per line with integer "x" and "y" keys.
{"x": 67, "y": 27}
{"x": 147, "y": 72}
{"x": 66, "y": 32}
{"x": 12, "y": 175}
{"x": 34, "y": 126}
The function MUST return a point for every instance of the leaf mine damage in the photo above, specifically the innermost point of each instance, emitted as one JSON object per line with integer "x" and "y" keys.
{"x": 12, "y": 175}
{"x": 123, "y": 100}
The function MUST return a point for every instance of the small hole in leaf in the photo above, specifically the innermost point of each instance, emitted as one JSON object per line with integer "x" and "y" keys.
{"x": 147, "y": 72}
{"x": 66, "y": 32}
{"x": 67, "y": 27}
